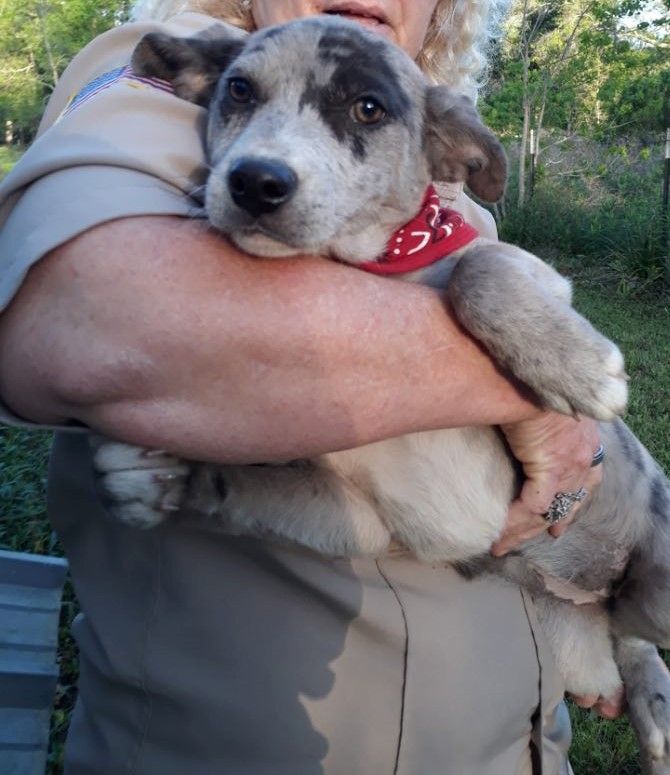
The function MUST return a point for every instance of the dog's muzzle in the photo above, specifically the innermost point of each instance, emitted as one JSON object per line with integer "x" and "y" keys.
{"x": 261, "y": 186}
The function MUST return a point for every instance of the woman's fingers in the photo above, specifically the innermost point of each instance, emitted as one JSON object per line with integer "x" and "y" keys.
{"x": 593, "y": 479}
{"x": 524, "y": 521}
{"x": 556, "y": 453}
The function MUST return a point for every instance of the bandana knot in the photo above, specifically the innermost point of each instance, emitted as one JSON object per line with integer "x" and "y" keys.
{"x": 432, "y": 234}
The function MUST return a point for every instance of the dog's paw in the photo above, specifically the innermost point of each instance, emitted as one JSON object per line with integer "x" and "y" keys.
{"x": 649, "y": 712}
{"x": 654, "y": 766}
{"x": 141, "y": 487}
{"x": 593, "y": 382}
{"x": 648, "y": 697}
{"x": 606, "y": 386}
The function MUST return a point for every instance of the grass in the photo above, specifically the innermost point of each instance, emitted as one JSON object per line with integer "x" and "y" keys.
{"x": 602, "y": 200}
{"x": 639, "y": 325}
{"x": 9, "y": 155}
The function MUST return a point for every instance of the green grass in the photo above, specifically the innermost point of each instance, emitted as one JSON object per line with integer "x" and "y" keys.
{"x": 9, "y": 155}
{"x": 639, "y": 325}
{"x": 602, "y": 747}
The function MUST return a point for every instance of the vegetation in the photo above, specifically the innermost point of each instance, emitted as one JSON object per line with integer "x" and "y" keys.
{"x": 38, "y": 38}
{"x": 588, "y": 81}
{"x": 9, "y": 155}
{"x": 592, "y": 66}
{"x": 599, "y": 202}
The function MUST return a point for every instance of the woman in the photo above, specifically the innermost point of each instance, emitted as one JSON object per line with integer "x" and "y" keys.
{"x": 204, "y": 653}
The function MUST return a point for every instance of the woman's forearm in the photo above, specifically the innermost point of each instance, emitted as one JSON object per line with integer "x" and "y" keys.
{"x": 156, "y": 331}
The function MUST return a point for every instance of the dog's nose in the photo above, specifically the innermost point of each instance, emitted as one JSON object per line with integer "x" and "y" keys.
{"x": 261, "y": 185}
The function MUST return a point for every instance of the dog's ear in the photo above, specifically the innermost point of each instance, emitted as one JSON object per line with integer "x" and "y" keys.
{"x": 460, "y": 147}
{"x": 192, "y": 65}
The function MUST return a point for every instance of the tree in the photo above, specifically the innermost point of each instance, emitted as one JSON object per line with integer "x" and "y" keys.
{"x": 38, "y": 38}
{"x": 593, "y": 66}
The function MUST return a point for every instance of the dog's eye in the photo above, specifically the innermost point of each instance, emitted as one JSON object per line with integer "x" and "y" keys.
{"x": 240, "y": 90}
{"x": 367, "y": 110}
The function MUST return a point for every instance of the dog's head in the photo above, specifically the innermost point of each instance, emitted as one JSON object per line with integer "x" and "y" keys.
{"x": 322, "y": 136}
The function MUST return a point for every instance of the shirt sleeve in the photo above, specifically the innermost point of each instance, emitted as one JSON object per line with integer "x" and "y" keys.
{"x": 110, "y": 147}
{"x": 63, "y": 204}
{"x": 114, "y": 145}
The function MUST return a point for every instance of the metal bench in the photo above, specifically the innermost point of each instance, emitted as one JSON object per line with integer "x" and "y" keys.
{"x": 30, "y": 597}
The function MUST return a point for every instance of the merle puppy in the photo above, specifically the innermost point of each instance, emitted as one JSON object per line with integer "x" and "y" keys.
{"x": 323, "y": 138}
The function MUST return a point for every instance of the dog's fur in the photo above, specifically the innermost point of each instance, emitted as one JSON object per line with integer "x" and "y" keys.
{"x": 442, "y": 494}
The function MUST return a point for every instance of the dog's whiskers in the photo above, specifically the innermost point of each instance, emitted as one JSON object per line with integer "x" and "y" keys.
{"x": 198, "y": 192}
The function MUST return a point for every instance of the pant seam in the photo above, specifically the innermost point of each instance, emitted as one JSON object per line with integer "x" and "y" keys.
{"x": 540, "y": 719}
{"x": 147, "y": 696}
{"x": 404, "y": 667}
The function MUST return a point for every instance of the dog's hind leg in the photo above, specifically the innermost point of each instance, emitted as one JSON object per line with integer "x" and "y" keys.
{"x": 640, "y": 607}
{"x": 579, "y": 638}
{"x": 647, "y": 683}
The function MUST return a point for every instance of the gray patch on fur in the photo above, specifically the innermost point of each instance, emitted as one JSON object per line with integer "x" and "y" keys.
{"x": 659, "y": 498}
{"x": 630, "y": 445}
{"x": 472, "y": 568}
{"x": 359, "y": 70}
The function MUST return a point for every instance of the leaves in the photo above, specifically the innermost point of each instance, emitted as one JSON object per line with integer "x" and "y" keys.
{"x": 38, "y": 38}
{"x": 585, "y": 65}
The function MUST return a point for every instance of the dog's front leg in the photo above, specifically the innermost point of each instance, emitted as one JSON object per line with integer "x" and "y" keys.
{"x": 139, "y": 486}
{"x": 647, "y": 683}
{"x": 305, "y": 502}
{"x": 518, "y": 307}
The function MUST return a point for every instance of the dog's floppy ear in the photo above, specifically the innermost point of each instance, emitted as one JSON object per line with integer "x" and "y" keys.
{"x": 460, "y": 147}
{"x": 192, "y": 65}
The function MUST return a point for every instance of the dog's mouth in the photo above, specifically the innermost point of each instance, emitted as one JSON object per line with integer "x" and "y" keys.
{"x": 368, "y": 16}
{"x": 261, "y": 242}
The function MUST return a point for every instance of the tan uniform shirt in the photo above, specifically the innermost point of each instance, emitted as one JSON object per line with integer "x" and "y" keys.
{"x": 203, "y": 653}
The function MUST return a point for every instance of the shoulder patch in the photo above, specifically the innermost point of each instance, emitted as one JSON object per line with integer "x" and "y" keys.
{"x": 104, "y": 81}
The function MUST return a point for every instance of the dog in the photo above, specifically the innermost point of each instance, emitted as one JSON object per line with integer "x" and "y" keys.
{"x": 296, "y": 113}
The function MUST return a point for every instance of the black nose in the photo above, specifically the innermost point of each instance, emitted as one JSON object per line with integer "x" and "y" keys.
{"x": 261, "y": 185}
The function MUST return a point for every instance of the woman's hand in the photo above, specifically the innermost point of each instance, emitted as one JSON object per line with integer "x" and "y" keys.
{"x": 556, "y": 453}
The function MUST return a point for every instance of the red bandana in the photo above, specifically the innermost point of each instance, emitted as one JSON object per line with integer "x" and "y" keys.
{"x": 432, "y": 234}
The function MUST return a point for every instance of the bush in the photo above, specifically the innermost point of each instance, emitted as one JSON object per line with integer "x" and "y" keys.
{"x": 601, "y": 203}
{"x": 9, "y": 155}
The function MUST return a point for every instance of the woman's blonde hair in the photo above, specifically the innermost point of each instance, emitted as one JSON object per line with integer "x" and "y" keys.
{"x": 453, "y": 53}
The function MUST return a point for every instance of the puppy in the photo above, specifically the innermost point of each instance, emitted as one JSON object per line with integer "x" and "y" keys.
{"x": 296, "y": 114}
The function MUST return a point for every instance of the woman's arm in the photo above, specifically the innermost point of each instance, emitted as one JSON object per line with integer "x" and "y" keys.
{"x": 155, "y": 330}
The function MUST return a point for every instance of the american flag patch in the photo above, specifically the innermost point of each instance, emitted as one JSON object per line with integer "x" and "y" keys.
{"x": 106, "y": 80}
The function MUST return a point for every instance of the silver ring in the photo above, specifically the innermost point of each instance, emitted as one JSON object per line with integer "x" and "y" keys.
{"x": 563, "y": 502}
{"x": 598, "y": 456}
